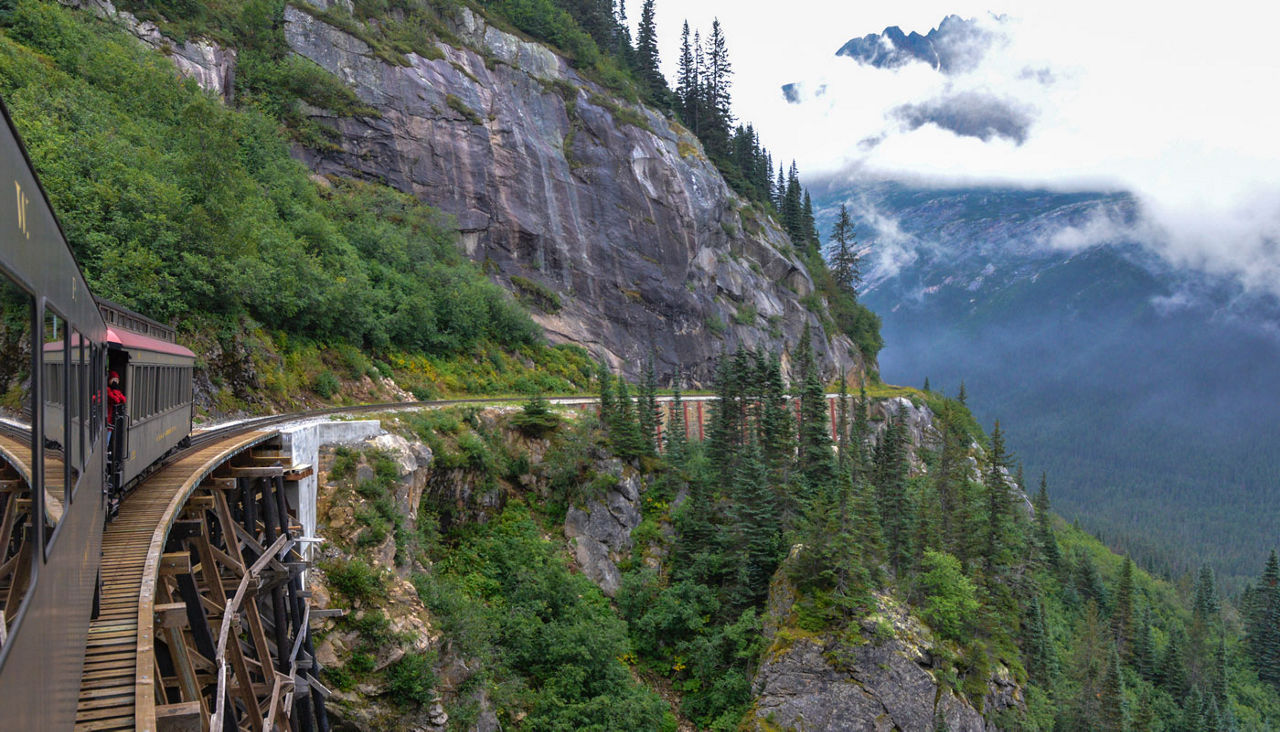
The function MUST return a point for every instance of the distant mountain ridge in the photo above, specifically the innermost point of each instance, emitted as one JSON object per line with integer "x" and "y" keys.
{"x": 956, "y": 45}
{"x": 1136, "y": 385}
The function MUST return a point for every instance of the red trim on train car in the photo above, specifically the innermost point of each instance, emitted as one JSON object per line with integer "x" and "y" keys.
{"x": 129, "y": 339}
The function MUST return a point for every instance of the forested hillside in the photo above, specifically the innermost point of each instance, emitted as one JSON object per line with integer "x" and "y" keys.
{"x": 909, "y": 557}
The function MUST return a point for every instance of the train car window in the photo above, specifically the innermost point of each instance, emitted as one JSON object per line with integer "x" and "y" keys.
{"x": 55, "y": 422}
{"x": 95, "y": 395}
{"x": 17, "y": 555}
{"x": 76, "y": 411}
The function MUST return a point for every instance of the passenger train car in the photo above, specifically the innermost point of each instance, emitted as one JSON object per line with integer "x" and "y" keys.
{"x": 61, "y": 465}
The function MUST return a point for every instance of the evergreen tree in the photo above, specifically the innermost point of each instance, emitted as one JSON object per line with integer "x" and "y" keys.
{"x": 1221, "y": 679}
{"x": 687, "y": 81}
{"x": 676, "y": 436}
{"x": 1205, "y": 604}
{"x": 1262, "y": 639}
{"x": 755, "y": 528}
{"x": 647, "y": 62}
{"x": 715, "y": 90}
{"x": 999, "y": 501}
{"x": 1144, "y": 720}
{"x": 963, "y": 396}
{"x": 1172, "y": 673}
{"x": 1113, "y": 696}
{"x": 648, "y": 417}
{"x": 926, "y": 388}
{"x": 808, "y": 224}
{"x": 777, "y": 422}
{"x": 1122, "y": 611}
{"x": 625, "y": 430}
{"x": 1044, "y": 527}
{"x": 841, "y": 254}
{"x": 816, "y": 466}
{"x": 1041, "y": 664}
{"x": 608, "y": 405}
{"x": 896, "y": 514}
{"x": 1143, "y": 649}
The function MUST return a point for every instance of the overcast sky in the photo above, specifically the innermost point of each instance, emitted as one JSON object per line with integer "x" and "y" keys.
{"x": 1182, "y": 109}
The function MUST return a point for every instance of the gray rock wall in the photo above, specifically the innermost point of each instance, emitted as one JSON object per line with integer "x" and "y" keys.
{"x": 610, "y": 205}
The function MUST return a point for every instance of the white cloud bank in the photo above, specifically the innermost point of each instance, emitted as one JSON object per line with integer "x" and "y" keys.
{"x": 1179, "y": 106}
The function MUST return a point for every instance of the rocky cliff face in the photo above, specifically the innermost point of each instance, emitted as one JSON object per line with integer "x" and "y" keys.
{"x": 607, "y": 217}
{"x": 878, "y": 680}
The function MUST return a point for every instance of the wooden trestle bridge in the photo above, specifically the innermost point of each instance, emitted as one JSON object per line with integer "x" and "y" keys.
{"x": 203, "y": 619}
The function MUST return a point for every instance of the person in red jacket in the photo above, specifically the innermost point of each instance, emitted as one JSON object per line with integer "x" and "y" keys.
{"x": 115, "y": 399}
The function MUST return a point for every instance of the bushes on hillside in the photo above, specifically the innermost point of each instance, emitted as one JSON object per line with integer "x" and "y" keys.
{"x": 176, "y": 205}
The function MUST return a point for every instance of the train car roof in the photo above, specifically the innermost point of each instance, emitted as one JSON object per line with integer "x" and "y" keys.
{"x": 137, "y": 341}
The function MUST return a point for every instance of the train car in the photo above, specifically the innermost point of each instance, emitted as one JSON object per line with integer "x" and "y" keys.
{"x": 53, "y": 350}
{"x": 155, "y": 376}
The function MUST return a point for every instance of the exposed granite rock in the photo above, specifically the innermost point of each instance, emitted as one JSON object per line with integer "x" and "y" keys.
{"x": 829, "y": 682}
{"x": 212, "y": 66}
{"x": 918, "y": 419}
{"x": 612, "y": 206}
{"x": 600, "y": 532}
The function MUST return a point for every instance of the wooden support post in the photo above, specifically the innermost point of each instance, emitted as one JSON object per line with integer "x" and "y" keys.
{"x": 184, "y": 717}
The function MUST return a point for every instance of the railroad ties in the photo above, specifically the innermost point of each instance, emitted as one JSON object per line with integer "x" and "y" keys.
{"x": 202, "y": 622}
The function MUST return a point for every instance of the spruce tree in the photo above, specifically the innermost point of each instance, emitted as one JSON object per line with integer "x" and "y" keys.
{"x": 1039, "y": 647}
{"x": 1122, "y": 611}
{"x": 647, "y": 416}
{"x": 647, "y": 62}
{"x": 1262, "y": 628}
{"x": 755, "y": 528}
{"x": 687, "y": 81}
{"x": 1113, "y": 696}
{"x": 1144, "y": 719}
{"x": 896, "y": 514}
{"x": 676, "y": 436}
{"x": 715, "y": 91}
{"x": 1172, "y": 673}
{"x": 963, "y": 396}
{"x": 608, "y": 405}
{"x": 1045, "y": 537}
{"x": 1143, "y": 649}
{"x": 816, "y": 464}
{"x": 999, "y": 502}
{"x": 1205, "y": 604}
{"x": 841, "y": 254}
{"x": 625, "y": 432}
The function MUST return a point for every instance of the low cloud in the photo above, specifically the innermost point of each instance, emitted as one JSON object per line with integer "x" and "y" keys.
{"x": 1090, "y": 96}
{"x": 969, "y": 114}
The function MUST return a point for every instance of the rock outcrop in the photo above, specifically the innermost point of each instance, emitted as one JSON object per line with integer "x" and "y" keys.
{"x": 607, "y": 217}
{"x": 600, "y": 532}
{"x": 880, "y": 680}
{"x": 210, "y": 65}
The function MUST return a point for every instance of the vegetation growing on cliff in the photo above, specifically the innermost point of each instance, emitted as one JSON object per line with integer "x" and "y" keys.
{"x": 195, "y": 213}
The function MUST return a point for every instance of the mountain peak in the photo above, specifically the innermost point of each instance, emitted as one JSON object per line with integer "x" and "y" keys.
{"x": 956, "y": 45}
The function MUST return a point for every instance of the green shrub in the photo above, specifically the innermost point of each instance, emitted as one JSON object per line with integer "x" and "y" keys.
{"x": 412, "y": 680}
{"x": 325, "y": 384}
{"x": 746, "y": 315}
{"x": 344, "y": 463}
{"x": 354, "y": 578}
{"x": 715, "y": 325}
